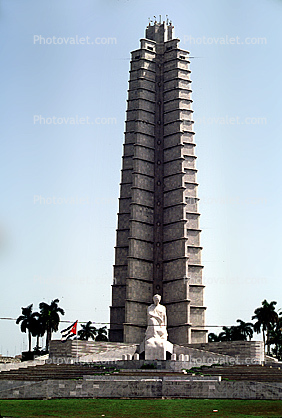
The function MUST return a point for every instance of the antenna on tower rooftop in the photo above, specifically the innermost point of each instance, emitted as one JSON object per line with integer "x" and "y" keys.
{"x": 166, "y": 19}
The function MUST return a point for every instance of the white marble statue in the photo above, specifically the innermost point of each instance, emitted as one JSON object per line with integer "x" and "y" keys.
{"x": 156, "y": 344}
{"x": 156, "y": 320}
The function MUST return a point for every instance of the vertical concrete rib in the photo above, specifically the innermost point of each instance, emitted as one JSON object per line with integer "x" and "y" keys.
{"x": 158, "y": 175}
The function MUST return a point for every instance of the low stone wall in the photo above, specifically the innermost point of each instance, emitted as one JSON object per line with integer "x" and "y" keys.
{"x": 140, "y": 387}
{"x": 199, "y": 357}
{"x": 133, "y": 365}
{"x": 229, "y": 352}
{"x": 23, "y": 364}
{"x": 5, "y": 360}
{"x": 247, "y": 352}
{"x": 94, "y": 350}
{"x": 91, "y": 351}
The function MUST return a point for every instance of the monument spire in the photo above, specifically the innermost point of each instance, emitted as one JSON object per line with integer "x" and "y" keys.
{"x": 158, "y": 236}
{"x": 160, "y": 32}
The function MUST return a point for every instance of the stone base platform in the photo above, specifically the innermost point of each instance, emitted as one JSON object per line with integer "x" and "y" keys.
{"x": 129, "y": 379}
{"x": 152, "y": 386}
{"x": 234, "y": 352}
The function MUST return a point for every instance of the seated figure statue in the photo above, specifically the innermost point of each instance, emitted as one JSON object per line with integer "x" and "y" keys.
{"x": 156, "y": 320}
{"x": 156, "y": 344}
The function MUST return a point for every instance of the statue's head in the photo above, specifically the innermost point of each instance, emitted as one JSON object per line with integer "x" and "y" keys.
{"x": 157, "y": 299}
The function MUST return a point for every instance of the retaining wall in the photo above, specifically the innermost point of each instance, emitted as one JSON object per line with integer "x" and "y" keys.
{"x": 95, "y": 350}
{"x": 230, "y": 352}
{"x": 140, "y": 387}
{"x": 248, "y": 352}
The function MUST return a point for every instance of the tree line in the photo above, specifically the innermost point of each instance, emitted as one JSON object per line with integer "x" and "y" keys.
{"x": 268, "y": 321}
{"x": 47, "y": 320}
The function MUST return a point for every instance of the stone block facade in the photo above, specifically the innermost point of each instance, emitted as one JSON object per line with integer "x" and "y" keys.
{"x": 158, "y": 236}
{"x": 247, "y": 352}
{"x": 152, "y": 386}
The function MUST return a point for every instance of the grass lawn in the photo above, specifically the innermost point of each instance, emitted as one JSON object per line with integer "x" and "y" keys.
{"x": 135, "y": 408}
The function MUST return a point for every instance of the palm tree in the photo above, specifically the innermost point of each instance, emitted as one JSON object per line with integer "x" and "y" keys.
{"x": 275, "y": 337}
{"x": 51, "y": 319}
{"x": 265, "y": 317}
{"x": 102, "y": 334}
{"x": 213, "y": 337}
{"x": 226, "y": 334}
{"x": 38, "y": 329}
{"x": 246, "y": 329}
{"x": 236, "y": 333}
{"x": 27, "y": 320}
{"x": 87, "y": 332}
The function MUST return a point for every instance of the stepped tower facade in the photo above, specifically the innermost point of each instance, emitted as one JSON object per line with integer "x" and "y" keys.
{"x": 158, "y": 237}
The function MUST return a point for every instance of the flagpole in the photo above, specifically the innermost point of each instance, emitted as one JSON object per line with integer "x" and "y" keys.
{"x": 68, "y": 333}
{"x": 76, "y": 344}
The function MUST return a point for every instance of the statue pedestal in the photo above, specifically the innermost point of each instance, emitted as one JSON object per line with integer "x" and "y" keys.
{"x": 156, "y": 349}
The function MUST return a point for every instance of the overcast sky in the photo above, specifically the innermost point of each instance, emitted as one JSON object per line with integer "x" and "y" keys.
{"x": 64, "y": 80}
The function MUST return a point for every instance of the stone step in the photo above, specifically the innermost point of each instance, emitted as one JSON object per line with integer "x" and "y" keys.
{"x": 253, "y": 373}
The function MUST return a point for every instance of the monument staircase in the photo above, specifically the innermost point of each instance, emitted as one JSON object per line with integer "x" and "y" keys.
{"x": 55, "y": 371}
{"x": 256, "y": 373}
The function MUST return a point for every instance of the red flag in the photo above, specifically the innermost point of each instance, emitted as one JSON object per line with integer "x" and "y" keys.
{"x": 74, "y": 328}
{"x": 69, "y": 332}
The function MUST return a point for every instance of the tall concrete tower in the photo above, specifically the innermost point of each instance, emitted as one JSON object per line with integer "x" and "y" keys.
{"x": 158, "y": 236}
